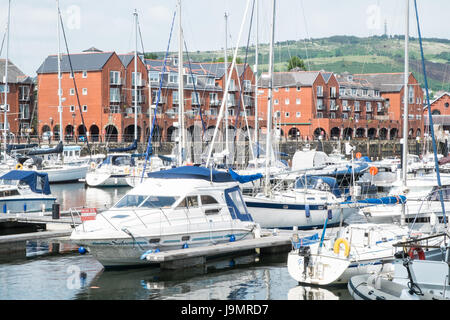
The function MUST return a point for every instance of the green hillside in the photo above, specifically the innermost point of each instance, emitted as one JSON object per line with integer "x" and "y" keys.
{"x": 353, "y": 54}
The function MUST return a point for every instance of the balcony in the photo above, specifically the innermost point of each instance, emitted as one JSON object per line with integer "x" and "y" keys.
{"x": 116, "y": 82}
{"x": 346, "y": 108}
{"x": 215, "y": 102}
{"x": 140, "y": 99}
{"x": 368, "y": 108}
{"x": 334, "y": 107}
{"x": 320, "y": 107}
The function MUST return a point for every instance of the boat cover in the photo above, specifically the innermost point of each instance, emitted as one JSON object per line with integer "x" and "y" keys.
{"x": 38, "y": 181}
{"x": 11, "y": 147}
{"x": 244, "y": 178}
{"x": 192, "y": 172}
{"x": 131, "y": 147}
{"x": 383, "y": 200}
{"x": 313, "y": 182}
{"x": 58, "y": 149}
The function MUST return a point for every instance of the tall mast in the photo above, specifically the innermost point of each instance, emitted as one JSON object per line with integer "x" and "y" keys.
{"x": 225, "y": 66}
{"x": 5, "y": 112}
{"x": 256, "y": 83}
{"x": 405, "y": 100}
{"x": 58, "y": 26}
{"x": 269, "y": 104}
{"x": 181, "y": 139}
{"x": 135, "y": 76}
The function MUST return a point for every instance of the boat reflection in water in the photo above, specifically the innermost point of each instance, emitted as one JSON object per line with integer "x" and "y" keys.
{"x": 319, "y": 293}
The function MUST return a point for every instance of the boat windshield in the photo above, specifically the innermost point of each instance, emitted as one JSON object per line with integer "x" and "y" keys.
{"x": 141, "y": 201}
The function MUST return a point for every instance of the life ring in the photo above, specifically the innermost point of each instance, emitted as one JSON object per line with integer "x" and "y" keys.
{"x": 337, "y": 246}
{"x": 92, "y": 165}
{"x": 413, "y": 251}
{"x": 358, "y": 155}
{"x": 373, "y": 171}
{"x": 19, "y": 166}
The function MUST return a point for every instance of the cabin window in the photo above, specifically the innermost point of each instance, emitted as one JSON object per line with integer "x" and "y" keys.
{"x": 130, "y": 200}
{"x": 189, "y": 202}
{"x": 208, "y": 200}
{"x": 158, "y": 202}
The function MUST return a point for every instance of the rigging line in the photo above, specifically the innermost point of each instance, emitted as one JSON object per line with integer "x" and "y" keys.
{"x": 149, "y": 144}
{"x": 307, "y": 35}
{"x": 430, "y": 118}
{"x": 195, "y": 89}
{"x": 74, "y": 82}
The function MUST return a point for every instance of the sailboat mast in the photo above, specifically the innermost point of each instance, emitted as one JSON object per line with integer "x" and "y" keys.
{"x": 58, "y": 28}
{"x": 256, "y": 82}
{"x": 135, "y": 76}
{"x": 405, "y": 101}
{"x": 181, "y": 149}
{"x": 269, "y": 104}
{"x": 5, "y": 114}
{"x": 225, "y": 67}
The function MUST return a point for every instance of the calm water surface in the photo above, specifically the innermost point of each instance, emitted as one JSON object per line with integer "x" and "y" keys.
{"x": 54, "y": 270}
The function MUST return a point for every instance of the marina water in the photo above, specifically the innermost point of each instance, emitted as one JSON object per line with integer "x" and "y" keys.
{"x": 54, "y": 270}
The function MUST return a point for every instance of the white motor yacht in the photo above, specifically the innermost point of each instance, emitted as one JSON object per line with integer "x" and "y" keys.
{"x": 172, "y": 209}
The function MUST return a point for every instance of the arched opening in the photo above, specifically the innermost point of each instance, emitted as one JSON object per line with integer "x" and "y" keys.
{"x": 171, "y": 133}
{"x": 156, "y": 134}
{"x": 319, "y": 132}
{"x": 348, "y": 133}
{"x": 293, "y": 133}
{"x": 435, "y": 113}
{"x": 128, "y": 133}
{"x": 383, "y": 133}
{"x": 111, "y": 133}
{"x": 418, "y": 133}
{"x": 94, "y": 133}
{"x": 81, "y": 132}
{"x": 411, "y": 133}
{"x": 393, "y": 133}
{"x": 56, "y": 132}
{"x": 69, "y": 133}
{"x": 360, "y": 133}
{"x": 372, "y": 133}
{"x": 335, "y": 133}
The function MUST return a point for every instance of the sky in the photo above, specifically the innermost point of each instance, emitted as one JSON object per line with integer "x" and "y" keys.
{"x": 109, "y": 24}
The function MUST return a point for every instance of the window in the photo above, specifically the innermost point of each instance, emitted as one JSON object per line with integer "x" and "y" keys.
{"x": 319, "y": 91}
{"x": 287, "y": 114}
{"x": 319, "y": 104}
{"x": 365, "y": 92}
{"x": 158, "y": 202}
{"x": 195, "y": 98}
{"x": 298, "y": 88}
{"x": 275, "y": 89}
{"x": 72, "y": 108}
{"x": 114, "y": 94}
{"x": 114, "y": 77}
{"x": 411, "y": 94}
{"x": 84, "y": 108}
{"x": 298, "y": 101}
{"x": 319, "y": 115}
{"x": 192, "y": 79}
{"x": 286, "y": 101}
{"x": 286, "y": 89}
{"x": 377, "y": 93}
{"x": 208, "y": 200}
{"x": 333, "y": 92}
{"x": 84, "y": 74}
{"x": 368, "y": 107}
{"x": 112, "y": 109}
{"x": 72, "y": 91}
{"x": 173, "y": 78}
{"x": 275, "y": 101}
{"x": 24, "y": 110}
{"x": 24, "y": 93}
{"x": 354, "y": 91}
{"x": 213, "y": 99}
{"x": 277, "y": 114}
{"x": 232, "y": 86}
{"x": 446, "y": 105}
{"x": 138, "y": 80}
{"x": 341, "y": 91}
{"x": 333, "y": 115}
{"x": 344, "y": 103}
{"x": 175, "y": 97}
{"x": 154, "y": 76}
{"x": 188, "y": 202}
{"x": 210, "y": 81}
{"x": 84, "y": 91}
{"x": 345, "y": 116}
{"x": 357, "y": 106}
{"x": 298, "y": 114}
{"x": 356, "y": 116}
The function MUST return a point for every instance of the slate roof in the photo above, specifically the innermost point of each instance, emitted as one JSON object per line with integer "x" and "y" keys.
{"x": 290, "y": 79}
{"x": 386, "y": 82}
{"x": 88, "y": 61}
{"x": 15, "y": 75}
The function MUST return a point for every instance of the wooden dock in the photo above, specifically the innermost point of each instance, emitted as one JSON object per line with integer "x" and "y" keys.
{"x": 182, "y": 258}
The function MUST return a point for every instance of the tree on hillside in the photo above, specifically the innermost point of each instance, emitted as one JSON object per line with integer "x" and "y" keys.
{"x": 230, "y": 59}
{"x": 150, "y": 55}
{"x": 296, "y": 62}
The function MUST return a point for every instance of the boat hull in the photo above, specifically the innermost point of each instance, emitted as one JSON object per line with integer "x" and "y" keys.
{"x": 71, "y": 173}
{"x": 107, "y": 180}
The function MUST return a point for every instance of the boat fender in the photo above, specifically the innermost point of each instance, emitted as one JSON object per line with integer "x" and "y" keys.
{"x": 185, "y": 246}
{"x": 92, "y": 165}
{"x": 416, "y": 251}
{"x": 82, "y": 250}
{"x": 232, "y": 238}
{"x": 19, "y": 166}
{"x": 337, "y": 246}
{"x": 307, "y": 212}
{"x": 144, "y": 255}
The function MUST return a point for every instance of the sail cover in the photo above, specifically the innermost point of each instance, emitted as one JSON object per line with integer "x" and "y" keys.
{"x": 37, "y": 181}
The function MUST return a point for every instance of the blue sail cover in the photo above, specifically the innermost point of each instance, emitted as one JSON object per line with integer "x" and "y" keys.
{"x": 244, "y": 178}
{"x": 131, "y": 147}
{"x": 58, "y": 149}
{"x": 312, "y": 182}
{"x": 191, "y": 172}
{"x": 384, "y": 200}
{"x": 37, "y": 181}
{"x": 11, "y": 147}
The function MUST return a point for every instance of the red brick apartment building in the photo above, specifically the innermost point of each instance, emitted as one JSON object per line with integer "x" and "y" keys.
{"x": 310, "y": 104}
{"x": 105, "y": 83}
{"x": 20, "y": 102}
{"x": 440, "y": 110}
{"x": 105, "y": 87}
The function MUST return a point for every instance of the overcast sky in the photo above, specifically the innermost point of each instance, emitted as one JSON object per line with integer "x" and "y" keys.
{"x": 109, "y": 25}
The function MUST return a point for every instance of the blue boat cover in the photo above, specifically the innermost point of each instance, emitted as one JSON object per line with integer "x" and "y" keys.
{"x": 11, "y": 147}
{"x": 131, "y": 147}
{"x": 244, "y": 178}
{"x": 58, "y": 149}
{"x": 365, "y": 159}
{"x": 37, "y": 181}
{"x": 166, "y": 158}
{"x": 191, "y": 172}
{"x": 384, "y": 200}
{"x": 312, "y": 182}
{"x": 305, "y": 241}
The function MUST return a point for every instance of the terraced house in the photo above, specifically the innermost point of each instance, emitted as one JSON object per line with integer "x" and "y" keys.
{"x": 204, "y": 85}
{"x": 98, "y": 102}
{"x": 20, "y": 100}
{"x": 313, "y": 104}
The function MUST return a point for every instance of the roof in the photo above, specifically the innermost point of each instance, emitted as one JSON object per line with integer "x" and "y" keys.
{"x": 15, "y": 75}
{"x": 386, "y": 82}
{"x": 86, "y": 61}
{"x": 290, "y": 79}
{"x": 439, "y": 97}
